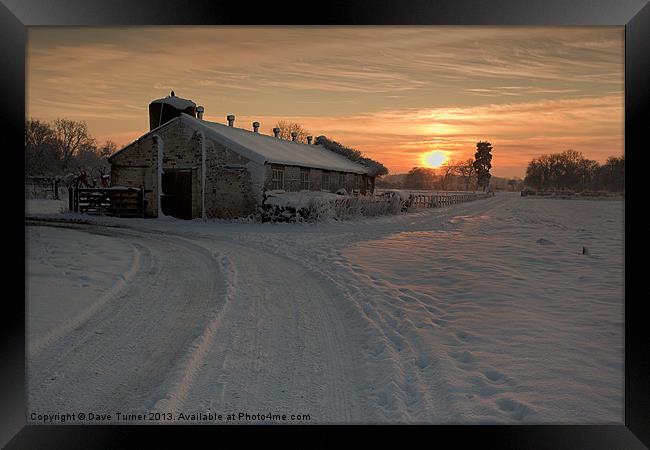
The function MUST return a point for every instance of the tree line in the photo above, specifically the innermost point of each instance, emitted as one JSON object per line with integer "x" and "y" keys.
{"x": 470, "y": 174}
{"x": 570, "y": 170}
{"x": 64, "y": 146}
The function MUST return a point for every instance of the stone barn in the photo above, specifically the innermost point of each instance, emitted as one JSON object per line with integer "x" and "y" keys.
{"x": 191, "y": 168}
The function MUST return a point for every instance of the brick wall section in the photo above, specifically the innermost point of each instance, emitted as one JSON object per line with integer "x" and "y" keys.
{"x": 293, "y": 183}
{"x": 315, "y": 179}
{"x": 228, "y": 191}
{"x": 137, "y": 167}
{"x": 292, "y": 180}
{"x": 182, "y": 151}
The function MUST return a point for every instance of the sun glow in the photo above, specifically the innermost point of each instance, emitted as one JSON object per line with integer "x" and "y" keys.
{"x": 434, "y": 159}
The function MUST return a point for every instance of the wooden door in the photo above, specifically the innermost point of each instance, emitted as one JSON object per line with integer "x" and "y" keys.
{"x": 176, "y": 198}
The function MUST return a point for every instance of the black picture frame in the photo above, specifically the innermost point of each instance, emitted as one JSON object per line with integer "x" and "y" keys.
{"x": 16, "y": 15}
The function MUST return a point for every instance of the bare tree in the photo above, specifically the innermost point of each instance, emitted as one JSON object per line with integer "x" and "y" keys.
{"x": 447, "y": 169}
{"x": 467, "y": 171}
{"x": 420, "y": 178}
{"x": 71, "y": 138}
{"x": 107, "y": 149}
{"x": 37, "y": 133}
{"x": 63, "y": 147}
{"x": 571, "y": 170}
{"x": 286, "y": 128}
{"x": 40, "y": 151}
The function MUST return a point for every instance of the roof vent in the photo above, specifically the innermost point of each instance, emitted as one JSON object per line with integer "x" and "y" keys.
{"x": 276, "y": 132}
{"x": 309, "y": 139}
{"x": 256, "y": 127}
{"x": 199, "y": 112}
{"x": 231, "y": 120}
{"x": 294, "y": 135}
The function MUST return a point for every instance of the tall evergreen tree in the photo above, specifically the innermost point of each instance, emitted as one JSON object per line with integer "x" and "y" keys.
{"x": 483, "y": 164}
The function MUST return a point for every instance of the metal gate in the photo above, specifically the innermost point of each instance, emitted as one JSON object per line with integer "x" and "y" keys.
{"x": 116, "y": 201}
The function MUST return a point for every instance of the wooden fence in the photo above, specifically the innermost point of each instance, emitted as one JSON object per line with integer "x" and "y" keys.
{"x": 116, "y": 201}
{"x": 439, "y": 200}
{"x": 571, "y": 194}
{"x": 42, "y": 187}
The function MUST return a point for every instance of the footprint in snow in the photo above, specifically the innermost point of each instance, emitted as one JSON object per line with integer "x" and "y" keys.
{"x": 463, "y": 357}
{"x": 463, "y": 335}
{"x": 515, "y": 409}
{"x": 494, "y": 376}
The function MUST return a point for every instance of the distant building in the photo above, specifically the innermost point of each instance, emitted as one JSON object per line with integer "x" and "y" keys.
{"x": 208, "y": 169}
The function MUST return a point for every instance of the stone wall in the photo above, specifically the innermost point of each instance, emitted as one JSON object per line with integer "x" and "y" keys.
{"x": 182, "y": 151}
{"x": 337, "y": 180}
{"x": 228, "y": 189}
{"x": 136, "y": 167}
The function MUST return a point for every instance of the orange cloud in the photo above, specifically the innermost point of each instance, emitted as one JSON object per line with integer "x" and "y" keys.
{"x": 393, "y": 92}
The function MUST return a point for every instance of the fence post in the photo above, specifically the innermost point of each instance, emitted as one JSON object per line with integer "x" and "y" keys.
{"x": 71, "y": 198}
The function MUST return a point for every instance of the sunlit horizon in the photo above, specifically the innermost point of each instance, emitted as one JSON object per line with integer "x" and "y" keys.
{"x": 398, "y": 94}
{"x": 434, "y": 159}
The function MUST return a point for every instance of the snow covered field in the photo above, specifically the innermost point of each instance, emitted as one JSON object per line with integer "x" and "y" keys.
{"x": 484, "y": 312}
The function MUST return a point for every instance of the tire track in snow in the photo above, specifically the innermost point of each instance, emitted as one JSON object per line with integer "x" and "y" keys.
{"x": 406, "y": 381}
{"x": 133, "y": 356}
{"x": 198, "y": 350}
{"x": 121, "y": 358}
{"x": 336, "y": 336}
{"x": 280, "y": 348}
{"x": 37, "y": 345}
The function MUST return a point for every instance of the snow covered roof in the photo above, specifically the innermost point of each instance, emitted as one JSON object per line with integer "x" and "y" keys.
{"x": 263, "y": 149}
{"x": 268, "y": 149}
{"x": 176, "y": 102}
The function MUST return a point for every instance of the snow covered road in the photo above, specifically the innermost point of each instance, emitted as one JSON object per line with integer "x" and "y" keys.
{"x": 485, "y": 312}
{"x": 203, "y": 325}
{"x": 119, "y": 354}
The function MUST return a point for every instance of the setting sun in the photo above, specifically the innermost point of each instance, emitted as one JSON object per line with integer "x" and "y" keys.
{"x": 435, "y": 159}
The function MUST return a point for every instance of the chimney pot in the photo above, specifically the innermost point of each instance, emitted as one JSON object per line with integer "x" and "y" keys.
{"x": 231, "y": 120}
{"x": 256, "y": 127}
{"x": 309, "y": 139}
{"x": 276, "y": 132}
{"x": 199, "y": 112}
{"x": 294, "y": 135}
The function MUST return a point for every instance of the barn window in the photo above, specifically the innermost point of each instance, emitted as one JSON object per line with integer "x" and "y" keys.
{"x": 341, "y": 180}
{"x": 277, "y": 180}
{"x": 357, "y": 182}
{"x": 304, "y": 179}
{"x": 325, "y": 184}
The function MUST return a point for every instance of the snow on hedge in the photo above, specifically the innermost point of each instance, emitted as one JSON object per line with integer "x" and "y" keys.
{"x": 375, "y": 168}
{"x": 314, "y": 206}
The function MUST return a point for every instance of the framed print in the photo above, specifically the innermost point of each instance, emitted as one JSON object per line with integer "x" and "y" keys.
{"x": 368, "y": 215}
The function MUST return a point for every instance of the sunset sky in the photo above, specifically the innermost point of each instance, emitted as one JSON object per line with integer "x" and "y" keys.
{"x": 395, "y": 93}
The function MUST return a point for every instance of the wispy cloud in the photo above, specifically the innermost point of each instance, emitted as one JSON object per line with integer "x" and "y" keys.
{"x": 518, "y": 131}
{"x": 392, "y": 91}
